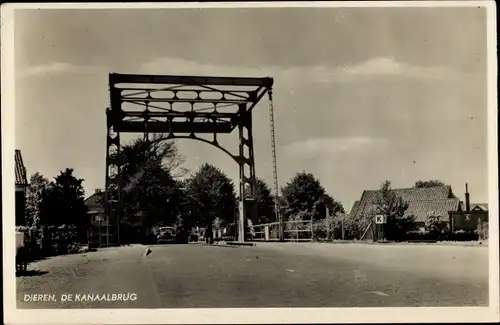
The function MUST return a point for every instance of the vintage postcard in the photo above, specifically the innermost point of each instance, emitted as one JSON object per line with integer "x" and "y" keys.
{"x": 274, "y": 162}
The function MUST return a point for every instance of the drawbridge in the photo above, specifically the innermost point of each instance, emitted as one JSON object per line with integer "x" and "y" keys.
{"x": 187, "y": 107}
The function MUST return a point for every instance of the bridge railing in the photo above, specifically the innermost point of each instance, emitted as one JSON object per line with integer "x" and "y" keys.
{"x": 294, "y": 230}
{"x": 263, "y": 232}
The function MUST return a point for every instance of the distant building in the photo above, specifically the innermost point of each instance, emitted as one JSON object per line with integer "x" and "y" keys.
{"x": 101, "y": 230}
{"x": 468, "y": 218}
{"x": 21, "y": 186}
{"x": 429, "y": 201}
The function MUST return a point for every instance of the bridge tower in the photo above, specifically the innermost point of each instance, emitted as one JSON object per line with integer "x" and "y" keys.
{"x": 184, "y": 107}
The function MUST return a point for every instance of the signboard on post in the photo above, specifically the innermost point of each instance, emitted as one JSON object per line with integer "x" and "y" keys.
{"x": 380, "y": 219}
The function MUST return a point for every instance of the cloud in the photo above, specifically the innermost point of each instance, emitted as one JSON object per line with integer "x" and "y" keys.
{"x": 369, "y": 69}
{"x": 314, "y": 148}
{"x": 383, "y": 66}
{"x": 57, "y": 68}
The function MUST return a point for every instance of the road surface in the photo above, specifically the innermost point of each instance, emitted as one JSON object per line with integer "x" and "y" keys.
{"x": 266, "y": 275}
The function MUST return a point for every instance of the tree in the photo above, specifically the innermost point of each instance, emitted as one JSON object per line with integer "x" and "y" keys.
{"x": 265, "y": 202}
{"x": 327, "y": 202}
{"x": 305, "y": 193}
{"x": 429, "y": 183}
{"x": 63, "y": 203}
{"x": 152, "y": 196}
{"x": 38, "y": 183}
{"x": 211, "y": 194}
{"x": 392, "y": 206}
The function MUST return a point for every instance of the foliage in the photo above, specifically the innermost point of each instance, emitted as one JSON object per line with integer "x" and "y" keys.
{"x": 64, "y": 239}
{"x": 392, "y": 206}
{"x": 436, "y": 225}
{"x": 210, "y": 194}
{"x": 38, "y": 184}
{"x": 331, "y": 228}
{"x": 264, "y": 200}
{"x": 482, "y": 229}
{"x": 296, "y": 225}
{"x": 63, "y": 203}
{"x": 57, "y": 216}
{"x": 429, "y": 183}
{"x": 305, "y": 193}
{"x": 152, "y": 195}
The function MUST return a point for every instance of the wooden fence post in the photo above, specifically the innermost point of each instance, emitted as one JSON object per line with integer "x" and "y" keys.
{"x": 343, "y": 232}
{"x": 312, "y": 228}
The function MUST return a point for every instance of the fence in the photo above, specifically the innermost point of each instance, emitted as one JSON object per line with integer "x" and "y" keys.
{"x": 294, "y": 230}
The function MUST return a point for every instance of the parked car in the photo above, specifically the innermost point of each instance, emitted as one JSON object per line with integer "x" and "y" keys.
{"x": 169, "y": 235}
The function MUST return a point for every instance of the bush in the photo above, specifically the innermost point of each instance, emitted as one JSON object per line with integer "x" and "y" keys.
{"x": 330, "y": 228}
{"x": 63, "y": 239}
{"x": 482, "y": 230}
{"x": 436, "y": 225}
{"x": 301, "y": 221}
{"x": 463, "y": 236}
{"x": 73, "y": 249}
{"x": 32, "y": 241}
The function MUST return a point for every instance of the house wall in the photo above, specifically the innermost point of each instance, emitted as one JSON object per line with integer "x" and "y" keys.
{"x": 459, "y": 220}
{"x": 102, "y": 233}
{"x": 20, "y": 202}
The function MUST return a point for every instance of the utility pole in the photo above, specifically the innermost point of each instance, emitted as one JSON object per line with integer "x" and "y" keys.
{"x": 327, "y": 224}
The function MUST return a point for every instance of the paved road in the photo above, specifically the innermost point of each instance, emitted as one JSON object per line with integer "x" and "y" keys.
{"x": 267, "y": 275}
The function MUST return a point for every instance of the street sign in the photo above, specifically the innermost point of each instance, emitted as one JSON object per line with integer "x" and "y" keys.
{"x": 380, "y": 219}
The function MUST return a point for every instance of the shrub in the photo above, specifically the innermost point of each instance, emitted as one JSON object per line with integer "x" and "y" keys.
{"x": 482, "y": 230}
{"x": 330, "y": 228}
{"x": 300, "y": 221}
{"x": 73, "y": 249}
{"x": 63, "y": 238}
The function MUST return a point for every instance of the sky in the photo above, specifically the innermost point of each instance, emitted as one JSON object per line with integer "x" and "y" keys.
{"x": 361, "y": 95}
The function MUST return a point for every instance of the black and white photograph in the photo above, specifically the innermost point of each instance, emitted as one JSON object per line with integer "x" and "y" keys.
{"x": 249, "y": 162}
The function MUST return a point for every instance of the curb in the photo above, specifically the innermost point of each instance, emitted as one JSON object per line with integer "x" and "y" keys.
{"x": 240, "y": 244}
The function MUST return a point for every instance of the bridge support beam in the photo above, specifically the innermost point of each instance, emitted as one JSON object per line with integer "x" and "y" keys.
{"x": 182, "y": 107}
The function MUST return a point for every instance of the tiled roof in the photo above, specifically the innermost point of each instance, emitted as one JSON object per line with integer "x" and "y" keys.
{"x": 354, "y": 208}
{"x": 424, "y": 209}
{"x": 20, "y": 169}
{"x": 95, "y": 202}
{"x": 422, "y": 202}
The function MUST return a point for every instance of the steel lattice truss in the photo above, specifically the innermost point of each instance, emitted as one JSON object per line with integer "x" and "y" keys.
{"x": 181, "y": 107}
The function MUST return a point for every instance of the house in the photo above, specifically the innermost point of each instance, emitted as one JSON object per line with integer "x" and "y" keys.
{"x": 101, "y": 230}
{"x": 468, "y": 218}
{"x": 422, "y": 203}
{"x": 20, "y": 188}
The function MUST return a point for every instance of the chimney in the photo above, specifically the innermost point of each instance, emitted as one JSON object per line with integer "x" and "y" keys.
{"x": 467, "y": 198}
{"x": 98, "y": 191}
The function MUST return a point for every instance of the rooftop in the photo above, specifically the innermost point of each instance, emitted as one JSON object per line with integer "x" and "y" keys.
{"x": 422, "y": 202}
{"x": 20, "y": 169}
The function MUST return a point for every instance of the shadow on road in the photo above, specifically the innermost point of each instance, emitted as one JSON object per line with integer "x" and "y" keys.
{"x": 218, "y": 245}
{"x": 31, "y": 273}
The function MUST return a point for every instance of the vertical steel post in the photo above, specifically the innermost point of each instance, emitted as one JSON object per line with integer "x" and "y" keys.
{"x": 241, "y": 205}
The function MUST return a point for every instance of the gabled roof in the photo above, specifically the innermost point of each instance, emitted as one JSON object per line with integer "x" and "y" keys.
{"x": 20, "y": 169}
{"x": 354, "y": 208}
{"x": 422, "y": 202}
{"x": 479, "y": 206}
{"x": 95, "y": 202}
